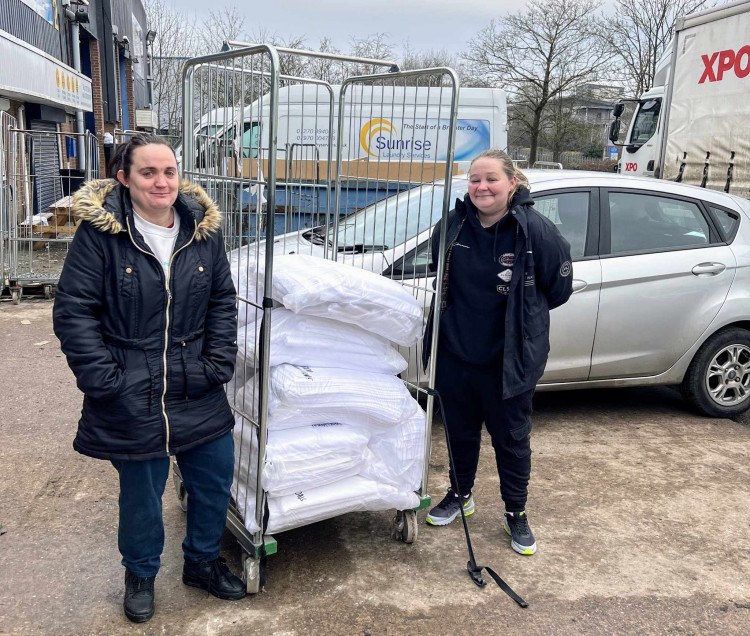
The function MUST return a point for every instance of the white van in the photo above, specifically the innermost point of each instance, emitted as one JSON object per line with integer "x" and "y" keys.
{"x": 394, "y": 137}
{"x": 396, "y": 124}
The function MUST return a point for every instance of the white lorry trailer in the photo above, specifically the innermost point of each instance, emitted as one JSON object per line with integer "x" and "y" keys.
{"x": 693, "y": 125}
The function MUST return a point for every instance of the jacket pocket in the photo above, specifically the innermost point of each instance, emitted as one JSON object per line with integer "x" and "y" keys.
{"x": 197, "y": 381}
{"x": 537, "y": 324}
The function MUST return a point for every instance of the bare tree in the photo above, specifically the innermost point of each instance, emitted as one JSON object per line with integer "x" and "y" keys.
{"x": 175, "y": 42}
{"x": 538, "y": 54}
{"x": 374, "y": 47}
{"x": 638, "y": 33}
{"x": 414, "y": 60}
{"x": 324, "y": 69}
{"x": 223, "y": 25}
{"x": 562, "y": 128}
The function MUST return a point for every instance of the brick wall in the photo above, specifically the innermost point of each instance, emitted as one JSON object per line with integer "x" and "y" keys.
{"x": 131, "y": 97}
{"x": 97, "y": 98}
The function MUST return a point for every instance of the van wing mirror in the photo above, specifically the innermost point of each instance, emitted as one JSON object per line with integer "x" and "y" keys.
{"x": 618, "y": 110}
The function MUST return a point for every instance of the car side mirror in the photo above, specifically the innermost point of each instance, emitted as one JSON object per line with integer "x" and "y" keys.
{"x": 614, "y": 131}
{"x": 618, "y": 110}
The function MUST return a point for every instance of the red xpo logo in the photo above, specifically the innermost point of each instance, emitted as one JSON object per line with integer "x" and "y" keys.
{"x": 722, "y": 61}
{"x": 631, "y": 167}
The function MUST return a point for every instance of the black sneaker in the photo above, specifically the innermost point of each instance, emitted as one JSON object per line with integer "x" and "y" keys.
{"x": 522, "y": 539}
{"x": 449, "y": 508}
{"x": 214, "y": 577}
{"x": 139, "y": 597}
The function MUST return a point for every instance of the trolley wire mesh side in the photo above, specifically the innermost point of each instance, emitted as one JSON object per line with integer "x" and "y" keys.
{"x": 396, "y": 137}
{"x": 238, "y": 170}
{"x": 43, "y": 170}
{"x": 7, "y": 193}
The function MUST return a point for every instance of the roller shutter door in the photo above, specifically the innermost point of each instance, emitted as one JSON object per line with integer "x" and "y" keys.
{"x": 45, "y": 165}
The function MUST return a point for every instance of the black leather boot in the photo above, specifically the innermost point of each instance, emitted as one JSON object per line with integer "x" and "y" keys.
{"x": 139, "y": 597}
{"x": 214, "y": 577}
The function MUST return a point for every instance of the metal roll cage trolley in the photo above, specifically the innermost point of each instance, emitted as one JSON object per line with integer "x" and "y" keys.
{"x": 266, "y": 189}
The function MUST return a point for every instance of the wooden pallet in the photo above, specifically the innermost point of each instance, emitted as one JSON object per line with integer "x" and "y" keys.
{"x": 62, "y": 223}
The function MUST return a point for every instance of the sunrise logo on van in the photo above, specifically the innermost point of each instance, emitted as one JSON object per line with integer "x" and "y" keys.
{"x": 371, "y": 129}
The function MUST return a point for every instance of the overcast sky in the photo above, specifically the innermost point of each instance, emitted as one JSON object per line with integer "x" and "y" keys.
{"x": 424, "y": 24}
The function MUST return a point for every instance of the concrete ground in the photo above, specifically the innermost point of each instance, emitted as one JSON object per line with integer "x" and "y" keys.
{"x": 640, "y": 509}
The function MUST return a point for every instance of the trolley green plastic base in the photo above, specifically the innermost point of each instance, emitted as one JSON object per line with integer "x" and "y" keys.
{"x": 424, "y": 502}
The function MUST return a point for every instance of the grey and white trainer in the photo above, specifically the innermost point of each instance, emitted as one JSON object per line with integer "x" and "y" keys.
{"x": 521, "y": 537}
{"x": 450, "y": 508}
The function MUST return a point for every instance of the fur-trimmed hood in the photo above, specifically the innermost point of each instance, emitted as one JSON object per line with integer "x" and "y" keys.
{"x": 105, "y": 204}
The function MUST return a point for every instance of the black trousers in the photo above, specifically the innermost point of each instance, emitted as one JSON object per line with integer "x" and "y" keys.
{"x": 472, "y": 395}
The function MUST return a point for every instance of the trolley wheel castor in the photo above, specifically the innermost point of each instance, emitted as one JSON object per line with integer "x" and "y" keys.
{"x": 182, "y": 496}
{"x": 47, "y": 292}
{"x": 251, "y": 573}
{"x": 15, "y": 296}
{"x": 405, "y": 526}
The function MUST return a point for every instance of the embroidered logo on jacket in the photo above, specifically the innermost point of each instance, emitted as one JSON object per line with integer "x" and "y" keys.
{"x": 506, "y": 275}
{"x": 507, "y": 259}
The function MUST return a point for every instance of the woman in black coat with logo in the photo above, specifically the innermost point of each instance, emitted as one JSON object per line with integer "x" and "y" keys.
{"x": 145, "y": 313}
{"x": 506, "y": 266}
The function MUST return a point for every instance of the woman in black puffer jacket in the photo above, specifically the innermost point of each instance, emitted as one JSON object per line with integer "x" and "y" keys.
{"x": 145, "y": 313}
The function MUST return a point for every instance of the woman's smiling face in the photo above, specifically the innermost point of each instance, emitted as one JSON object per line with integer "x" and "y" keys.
{"x": 489, "y": 186}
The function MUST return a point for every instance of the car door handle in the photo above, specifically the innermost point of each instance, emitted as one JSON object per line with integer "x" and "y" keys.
{"x": 579, "y": 285}
{"x": 708, "y": 269}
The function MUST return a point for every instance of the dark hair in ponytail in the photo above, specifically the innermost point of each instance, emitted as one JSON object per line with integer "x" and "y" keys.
{"x": 123, "y": 157}
{"x": 115, "y": 161}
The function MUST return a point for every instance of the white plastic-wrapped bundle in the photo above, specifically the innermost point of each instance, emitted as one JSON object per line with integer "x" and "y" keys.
{"x": 353, "y": 494}
{"x": 304, "y": 457}
{"x": 319, "y": 342}
{"x": 300, "y": 396}
{"x": 321, "y": 287}
{"x": 396, "y": 456}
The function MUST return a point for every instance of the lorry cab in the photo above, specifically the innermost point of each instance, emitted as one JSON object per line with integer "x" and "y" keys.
{"x": 642, "y": 145}
{"x": 641, "y": 148}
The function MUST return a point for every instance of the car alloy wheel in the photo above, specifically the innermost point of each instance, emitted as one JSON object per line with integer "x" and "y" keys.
{"x": 728, "y": 375}
{"x": 717, "y": 383}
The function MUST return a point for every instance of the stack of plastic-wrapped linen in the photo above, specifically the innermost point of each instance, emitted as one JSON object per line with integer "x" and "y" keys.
{"x": 344, "y": 433}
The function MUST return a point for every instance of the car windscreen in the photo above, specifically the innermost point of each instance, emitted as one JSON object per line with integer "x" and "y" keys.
{"x": 398, "y": 218}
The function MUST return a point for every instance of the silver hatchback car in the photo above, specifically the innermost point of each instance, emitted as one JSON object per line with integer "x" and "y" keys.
{"x": 661, "y": 279}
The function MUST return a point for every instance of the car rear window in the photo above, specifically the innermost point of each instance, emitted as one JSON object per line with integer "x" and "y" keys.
{"x": 727, "y": 220}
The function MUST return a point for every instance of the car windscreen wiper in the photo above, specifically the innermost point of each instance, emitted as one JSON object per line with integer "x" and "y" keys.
{"x": 316, "y": 236}
{"x": 362, "y": 248}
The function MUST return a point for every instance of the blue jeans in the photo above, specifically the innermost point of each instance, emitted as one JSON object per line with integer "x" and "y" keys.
{"x": 207, "y": 473}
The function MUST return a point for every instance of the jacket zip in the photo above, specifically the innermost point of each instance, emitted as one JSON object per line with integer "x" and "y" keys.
{"x": 166, "y": 328}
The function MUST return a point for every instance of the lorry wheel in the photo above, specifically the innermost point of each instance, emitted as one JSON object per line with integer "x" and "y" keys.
{"x": 717, "y": 382}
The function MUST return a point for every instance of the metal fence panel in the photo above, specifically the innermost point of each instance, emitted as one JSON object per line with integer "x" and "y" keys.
{"x": 396, "y": 137}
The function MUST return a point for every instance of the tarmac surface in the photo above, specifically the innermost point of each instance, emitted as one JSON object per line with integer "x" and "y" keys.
{"x": 641, "y": 511}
